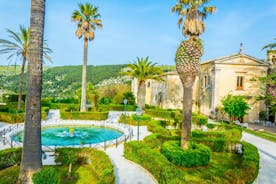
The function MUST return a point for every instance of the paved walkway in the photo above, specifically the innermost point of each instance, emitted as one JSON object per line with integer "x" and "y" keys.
{"x": 267, "y": 151}
{"x": 128, "y": 172}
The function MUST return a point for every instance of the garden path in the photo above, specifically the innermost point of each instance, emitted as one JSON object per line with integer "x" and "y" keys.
{"x": 126, "y": 171}
{"x": 267, "y": 152}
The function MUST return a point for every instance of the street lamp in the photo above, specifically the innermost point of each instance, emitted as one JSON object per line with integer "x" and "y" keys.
{"x": 138, "y": 113}
{"x": 125, "y": 102}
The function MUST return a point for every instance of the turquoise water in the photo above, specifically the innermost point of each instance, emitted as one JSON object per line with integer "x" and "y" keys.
{"x": 65, "y": 136}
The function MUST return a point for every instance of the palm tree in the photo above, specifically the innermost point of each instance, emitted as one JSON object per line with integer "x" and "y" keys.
{"x": 270, "y": 46}
{"x": 143, "y": 69}
{"x": 87, "y": 19}
{"x": 192, "y": 14}
{"x": 31, "y": 153}
{"x": 18, "y": 47}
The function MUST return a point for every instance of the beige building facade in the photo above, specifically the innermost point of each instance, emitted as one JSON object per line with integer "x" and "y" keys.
{"x": 236, "y": 74}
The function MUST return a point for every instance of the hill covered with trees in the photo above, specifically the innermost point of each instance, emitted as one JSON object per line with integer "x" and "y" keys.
{"x": 63, "y": 81}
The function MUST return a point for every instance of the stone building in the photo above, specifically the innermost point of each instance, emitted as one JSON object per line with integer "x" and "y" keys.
{"x": 236, "y": 74}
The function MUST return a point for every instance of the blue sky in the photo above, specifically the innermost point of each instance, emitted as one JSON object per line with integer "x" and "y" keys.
{"x": 143, "y": 28}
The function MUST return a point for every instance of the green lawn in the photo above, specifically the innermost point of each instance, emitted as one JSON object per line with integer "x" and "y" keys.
{"x": 265, "y": 135}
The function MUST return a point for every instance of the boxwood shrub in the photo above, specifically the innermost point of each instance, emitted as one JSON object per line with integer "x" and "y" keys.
{"x": 195, "y": 155}
{"x": 164, "y": 171}
{"x": 199, "y": 119}
{"x": 116, "y": 107}
{"x": 84, "y": 115}
{"x": 10, "y": 157}
{"x": 250, "y": 161}
{"x": 159, "y": 113}
{"x": 100, "y": 163}
{"x": 12, "y": 118}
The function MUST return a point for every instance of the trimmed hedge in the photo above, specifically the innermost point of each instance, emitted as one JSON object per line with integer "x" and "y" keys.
{"x": 116, "y": 107}
{"x": 98, "y": 161}
{"x": 250, "y": 161}
{"x": 164, "y": 171}
{"x": 159, "y": 113}
{"x": 195, "y": 155}
{"x": 218, "y": 141}
{"x": 12, "y": 118}
{"x": 10, "y": 157}
{"x": 47, "y": 175}
{"x": 199, "y": 119}
{"x": 133, "y": 120}
{"x": 84, "y": 115}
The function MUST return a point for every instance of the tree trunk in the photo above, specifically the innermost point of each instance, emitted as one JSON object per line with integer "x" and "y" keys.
{"x": 84, "y": 70}
{"x": 187, "y": 111}
{"x": 31, "y": 153}
{"x": 141, "y": 94}
{"x": 21, "y": 83}
{"x": 69, "y": 171}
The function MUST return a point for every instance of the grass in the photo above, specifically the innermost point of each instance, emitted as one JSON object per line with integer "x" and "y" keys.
{"x": 9, "y": 175}
{"x": 100, "y": 170}
{"x": 266, "y": 135}
{"x": 222, "y": 168}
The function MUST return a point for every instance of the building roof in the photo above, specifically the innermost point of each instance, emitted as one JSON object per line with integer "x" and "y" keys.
{"x": 230, "y": 58}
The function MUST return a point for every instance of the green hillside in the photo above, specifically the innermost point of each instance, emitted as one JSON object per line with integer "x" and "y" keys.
{"x": 63, "y": 81}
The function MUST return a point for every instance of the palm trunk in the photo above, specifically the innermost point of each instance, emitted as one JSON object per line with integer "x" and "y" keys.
{"x": 31, "y": 153}
{"x": 84, "y": 70}
{"x": 187, "y": 112}
{"x": 141, "y": 94}
{"x": 21, "y": 83}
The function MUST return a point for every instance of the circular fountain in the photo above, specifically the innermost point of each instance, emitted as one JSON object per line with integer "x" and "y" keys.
{"x": 73, "y": 135}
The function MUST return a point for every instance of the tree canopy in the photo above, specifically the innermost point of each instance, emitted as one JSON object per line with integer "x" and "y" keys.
{"x": 235, "y": 106}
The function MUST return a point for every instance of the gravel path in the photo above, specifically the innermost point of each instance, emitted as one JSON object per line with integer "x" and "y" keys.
{"x": 267, "y": 151}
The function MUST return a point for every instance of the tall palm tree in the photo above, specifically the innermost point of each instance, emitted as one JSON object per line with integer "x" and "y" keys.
{"x": 87, "y": 19}
{"x": 270, "y": 46}
{"x": 192, "y": 14}
{"x": 31, "y": 153}
{"x": 17, "y": 47}
{"x": 143, "y": 69}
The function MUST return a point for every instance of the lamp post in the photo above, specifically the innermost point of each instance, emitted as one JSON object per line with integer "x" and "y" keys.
{"x": 125, "y": 102}
{"x": 138, "y": 113}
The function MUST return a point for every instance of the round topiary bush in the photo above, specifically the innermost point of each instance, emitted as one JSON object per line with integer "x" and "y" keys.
{"x": 195, "y": 155}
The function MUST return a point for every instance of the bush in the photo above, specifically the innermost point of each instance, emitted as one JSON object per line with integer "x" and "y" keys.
{"x": 117, "y": 107}
{"x": 10, "y": 157}
{"x": 84, "y": 115}
{"x": 153, "y": 141}
{"x": 159, "y": 113}
{"x": 199, "y": 119}
{"x": 99, "y": 162}
{"x": 141, "y": 118}
{"x": 103, "y": 167}
{"x": 155, "y": 127}
{"x": 130, "y": 97}
{"x": 12, "y": 118}
{"x": 46, "y": 175}
{"x": 195, "y": 155}
{"x": 211, "y": 126}
{"x": 12, "y": 97}
{"x": 153, "y": 161}
{"x": 250, "y": 161}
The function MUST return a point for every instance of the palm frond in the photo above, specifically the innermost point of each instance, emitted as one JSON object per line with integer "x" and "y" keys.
{"x": 88, "y": 19}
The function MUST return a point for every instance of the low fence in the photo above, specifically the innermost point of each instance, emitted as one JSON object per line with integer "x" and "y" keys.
{"x": 7, "y": 132}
